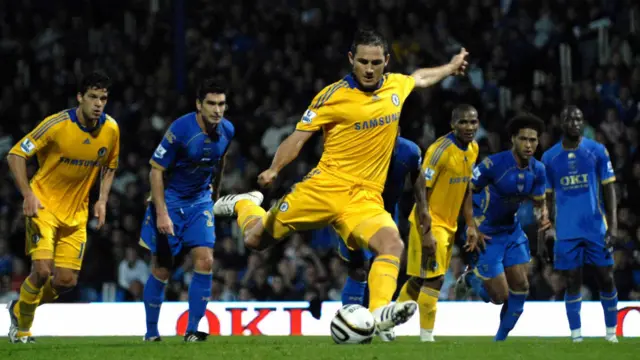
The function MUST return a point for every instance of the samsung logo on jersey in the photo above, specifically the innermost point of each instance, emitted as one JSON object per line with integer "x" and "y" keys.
{"x": 381, "y": 121}
{"x": 575, "y": 181}
{"x": 76, "y": 162}
{"x": 459, "y": 180}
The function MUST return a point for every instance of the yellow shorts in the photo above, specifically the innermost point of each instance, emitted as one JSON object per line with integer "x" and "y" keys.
{"x": 49, "y": 239}
{"x": 431, "y": 267}
{"x": 354, "y": 208}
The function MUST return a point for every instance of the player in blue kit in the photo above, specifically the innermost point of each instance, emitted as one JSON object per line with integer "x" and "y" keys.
{"x": 180, "y": 215}
{"x": 501, "y": 182}
{"x": 578, "y": 169}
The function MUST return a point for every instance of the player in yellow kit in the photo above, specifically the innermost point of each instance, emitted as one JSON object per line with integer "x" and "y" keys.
{"x": 72, "y": 148}
{"x": 359, "y": 116}
{"x": 448, "y": 166}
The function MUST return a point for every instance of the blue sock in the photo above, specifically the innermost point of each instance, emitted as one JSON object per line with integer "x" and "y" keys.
{"x": 478, "y": 286}
{"x": 503, "y": 309}
{"x": 573, "y": 303}
{"x": 353, "y": 292}
{"x": 153, "y": 295}
{"x": 515, "y": 306}
{"x": 199, "y": 294}
{"x": 609, "y": 303}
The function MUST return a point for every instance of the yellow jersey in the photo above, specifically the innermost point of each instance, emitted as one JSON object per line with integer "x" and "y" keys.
{"x": 448, "y": 168}
{"x": 360, "y": 128}
{"x": 70, "y": 157}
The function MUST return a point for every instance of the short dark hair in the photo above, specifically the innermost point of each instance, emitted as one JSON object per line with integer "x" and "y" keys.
{"x": 525, "y": 121}
{"x": 369, "y": 37}
{"x": 459, "y": 110}
{"x": 210, "y": 86}
{"x": 568, "y": 110}
{"x": 94, "y": 80}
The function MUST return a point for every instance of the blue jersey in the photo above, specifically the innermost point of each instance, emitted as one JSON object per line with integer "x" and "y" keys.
{"x": 406, "y": 159}
{"x": 575, "y": 175}
{"x": 192, "y": 160}
{"x": 500, "y": 187}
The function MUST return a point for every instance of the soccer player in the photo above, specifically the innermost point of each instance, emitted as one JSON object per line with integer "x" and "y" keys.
{"x": 72, "y": 148}
{"x": 447, "y": 166}
{"x": 578, "y": 169}
{"x": 501, "y": 182}
{"x": 180, "y": 215}
{"x": 406, "y": 160}
{"x": 359, "y": 116}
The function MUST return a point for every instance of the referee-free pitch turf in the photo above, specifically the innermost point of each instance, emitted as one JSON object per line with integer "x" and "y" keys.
{"x": 311, "y": 348}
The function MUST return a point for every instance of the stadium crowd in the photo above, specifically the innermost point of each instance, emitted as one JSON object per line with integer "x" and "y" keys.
{"x": 275, "y": 55}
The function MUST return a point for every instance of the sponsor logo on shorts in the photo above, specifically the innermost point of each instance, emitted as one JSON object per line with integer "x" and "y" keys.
{"x": 284, "y": 207}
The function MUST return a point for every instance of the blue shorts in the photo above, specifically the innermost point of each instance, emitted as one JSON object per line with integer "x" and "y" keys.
{"x": 503, "y": 250}
{"x": 193, "y": 227}
{"x": 574, "y": 253}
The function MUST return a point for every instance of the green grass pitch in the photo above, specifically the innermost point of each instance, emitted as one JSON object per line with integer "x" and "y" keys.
{"x": 311, "y": 348}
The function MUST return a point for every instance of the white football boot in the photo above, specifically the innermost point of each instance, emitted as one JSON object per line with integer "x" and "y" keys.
{"x": 389, "y": 316}
{"x": 225, "y": 206}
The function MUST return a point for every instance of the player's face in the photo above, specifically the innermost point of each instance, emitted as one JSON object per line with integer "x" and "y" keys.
{"x": 212, "y": 108}
{"x": 368, "y": 64}
{"x": 573, "y": 123}
{"x": 92, "y": 103}
{"x": 466, "y": 127}
{"x": 525, "y": 143}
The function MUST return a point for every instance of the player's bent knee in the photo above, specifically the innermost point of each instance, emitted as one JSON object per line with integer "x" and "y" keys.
{"x": 41, "y": 271}
{"x": 433, "y": 283}
{"x": 65, "y": 278}
{"x": 358, "y": 274}
{"x": 387, "y": 241}
{"x": 607, "y": 282}
{"x": 259, "y": 241}
{"x": 160, "y": 273}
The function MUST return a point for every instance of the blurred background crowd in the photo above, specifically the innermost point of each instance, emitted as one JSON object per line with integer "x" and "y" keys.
{"x": 526, "y": 55}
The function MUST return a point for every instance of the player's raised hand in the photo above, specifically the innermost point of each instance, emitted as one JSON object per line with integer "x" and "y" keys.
{"x": 164, "y": 224}
{"x": 459, "y": 62}
{"x": 267, "y": 177}
{"x": 100, "y": 212}
{"x": 31, "y": 205}
{"x": 475, "y": 240}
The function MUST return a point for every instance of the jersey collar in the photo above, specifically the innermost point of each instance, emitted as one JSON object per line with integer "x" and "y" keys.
{"x": 451, "y": 136}
{"x": 74, "y": 118}
{"x": 570, "y": 149}
{"x": 354, "y": 84}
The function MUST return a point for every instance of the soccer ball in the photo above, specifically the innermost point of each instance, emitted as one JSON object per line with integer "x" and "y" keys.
{"x": 353, "y": 324}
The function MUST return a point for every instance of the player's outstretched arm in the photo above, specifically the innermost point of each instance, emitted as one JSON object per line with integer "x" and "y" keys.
{"x": 286, "y": 153}
{"x": 430, "y": 76}
{"x": 18, "y": 167}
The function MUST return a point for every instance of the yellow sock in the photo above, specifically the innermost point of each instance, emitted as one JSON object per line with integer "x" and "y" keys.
{"x": 25, "y": 309}
{"x": 428, "y": 302}
{"x": 410, "y": 290}
{"x": 383, "y": 280}
{"x": 247, "y": 210}
{"x": 49, "y": 293}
